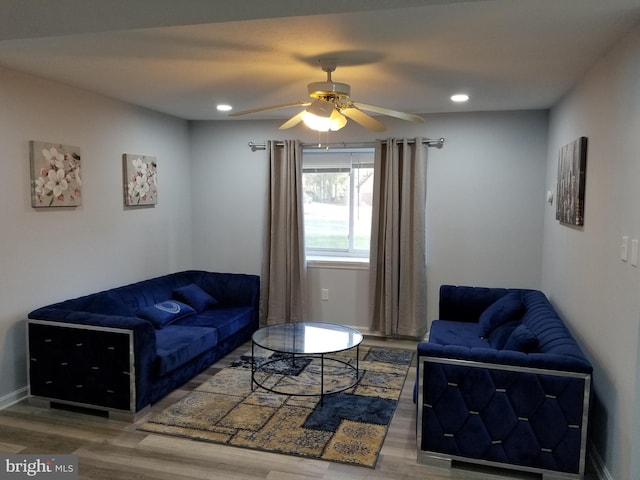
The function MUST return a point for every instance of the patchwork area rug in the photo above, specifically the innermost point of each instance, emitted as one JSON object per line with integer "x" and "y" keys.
{"x": 347, "y": 427}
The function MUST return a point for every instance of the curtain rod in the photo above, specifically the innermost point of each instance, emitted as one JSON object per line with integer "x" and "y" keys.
{"x": 437, "y": 143}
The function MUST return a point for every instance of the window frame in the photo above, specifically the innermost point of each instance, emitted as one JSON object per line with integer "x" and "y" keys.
{"x": 351, "y": 253}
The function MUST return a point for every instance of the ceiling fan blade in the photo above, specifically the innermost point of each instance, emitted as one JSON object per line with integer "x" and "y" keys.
{"x": 363, "y": 119}
{"x": 391, "y": 113}
{"x": 293, "y": 121}
{"x": 272, "y": 107}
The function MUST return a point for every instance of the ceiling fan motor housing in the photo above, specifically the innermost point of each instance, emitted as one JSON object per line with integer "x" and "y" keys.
{"x": 329, "y": 90}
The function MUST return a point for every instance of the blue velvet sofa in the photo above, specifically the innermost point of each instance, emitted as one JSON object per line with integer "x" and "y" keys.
{"x": 502, "y": 382}
{"x": 123, "y": 349}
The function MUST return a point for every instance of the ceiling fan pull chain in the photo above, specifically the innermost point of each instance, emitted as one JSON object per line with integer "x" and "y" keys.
{"x": 326, "y": 143}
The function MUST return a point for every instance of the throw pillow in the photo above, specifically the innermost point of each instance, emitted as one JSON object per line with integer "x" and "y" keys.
{"x": 195, "y": 296}
{"x": 499, "y": 335}
{"x": 505, "y": 309}
{"x": 163, "y": 313}
{"x": 522, "y": 339}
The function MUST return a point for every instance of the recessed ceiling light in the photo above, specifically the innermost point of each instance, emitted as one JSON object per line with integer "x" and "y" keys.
{"x": 223, "y": 107}
{"x": 459, "y": 98}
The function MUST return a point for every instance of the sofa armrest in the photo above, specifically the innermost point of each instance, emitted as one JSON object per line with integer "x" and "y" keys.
{"x": 502, "y": 415}
{"x": 59, "y": 336}
{"x": 54, "y": 314}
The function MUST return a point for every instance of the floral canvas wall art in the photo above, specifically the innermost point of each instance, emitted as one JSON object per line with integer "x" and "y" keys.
{"x": 140, "y": 176}
{"x": 55, "y": 175}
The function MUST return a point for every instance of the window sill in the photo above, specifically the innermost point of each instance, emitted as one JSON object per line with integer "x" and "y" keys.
{"x": 350, "y": 263}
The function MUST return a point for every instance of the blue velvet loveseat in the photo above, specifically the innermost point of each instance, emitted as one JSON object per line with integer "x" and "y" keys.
{"x": 502, "y": 382}
{"x": 123, "y": 349}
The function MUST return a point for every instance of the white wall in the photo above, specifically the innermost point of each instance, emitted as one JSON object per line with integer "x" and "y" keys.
{"x": 53, "y": 254}
{"x": 228, "y": 196}
{"x": 485, "y": 196}
{"x": 593, "y": 289}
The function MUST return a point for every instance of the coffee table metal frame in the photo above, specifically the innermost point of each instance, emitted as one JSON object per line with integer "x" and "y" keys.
{"x": 292, "y": 334}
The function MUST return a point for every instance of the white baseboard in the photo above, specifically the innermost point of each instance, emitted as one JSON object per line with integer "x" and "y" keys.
{"x": 13, "y": 397}
{"x": 597, "y": 464}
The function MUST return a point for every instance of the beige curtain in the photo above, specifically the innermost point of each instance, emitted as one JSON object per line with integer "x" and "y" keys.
{"x": 284, "y": 267}
{"x": 397, "y": 281}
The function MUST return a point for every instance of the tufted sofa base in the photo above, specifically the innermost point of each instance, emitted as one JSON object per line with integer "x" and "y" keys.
{"x": 522, "y": 418}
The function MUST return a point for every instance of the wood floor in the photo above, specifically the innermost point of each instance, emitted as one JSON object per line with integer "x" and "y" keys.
{"x": 113, "y": 450}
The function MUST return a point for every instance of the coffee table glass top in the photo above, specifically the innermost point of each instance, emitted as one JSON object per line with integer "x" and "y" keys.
{"x": 307, "y": 338}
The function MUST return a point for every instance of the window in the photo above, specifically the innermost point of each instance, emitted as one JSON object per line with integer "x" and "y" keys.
{"x": 338, "y": 193}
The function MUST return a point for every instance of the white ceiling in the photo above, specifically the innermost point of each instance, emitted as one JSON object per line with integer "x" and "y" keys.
{"x": 182, "y": 57}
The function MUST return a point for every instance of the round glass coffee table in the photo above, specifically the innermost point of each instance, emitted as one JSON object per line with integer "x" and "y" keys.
{"x": 298, "y": 341}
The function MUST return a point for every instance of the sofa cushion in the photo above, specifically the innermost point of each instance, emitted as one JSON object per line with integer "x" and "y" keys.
{"x": 451, "y": 332}
{"x": 177, "y": 344}
{"x": 498, "y": 336}
{"x": 505, "y": 309}
{"x": 195, "y": 296}
{"x": 522, "y": 339}
{"x": 163, "y": 313}
{"x": 227, "y": 321}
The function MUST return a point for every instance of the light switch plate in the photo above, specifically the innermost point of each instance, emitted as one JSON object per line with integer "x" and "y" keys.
{"x": 624, "y": 247}
{"x": 634, "y": 252}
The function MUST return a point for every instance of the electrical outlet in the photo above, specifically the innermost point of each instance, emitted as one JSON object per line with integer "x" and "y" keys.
{"x": 325, "y": 294}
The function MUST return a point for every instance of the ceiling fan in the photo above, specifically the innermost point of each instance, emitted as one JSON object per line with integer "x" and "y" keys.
{"x": 331, "y": 105}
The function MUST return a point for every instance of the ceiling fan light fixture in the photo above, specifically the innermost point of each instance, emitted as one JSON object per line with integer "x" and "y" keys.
{"x": 323, "y": 124}
{"x": 337, "y": 120}
{"x": 321, "y": 108}
{"x": 323, "y": 116}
